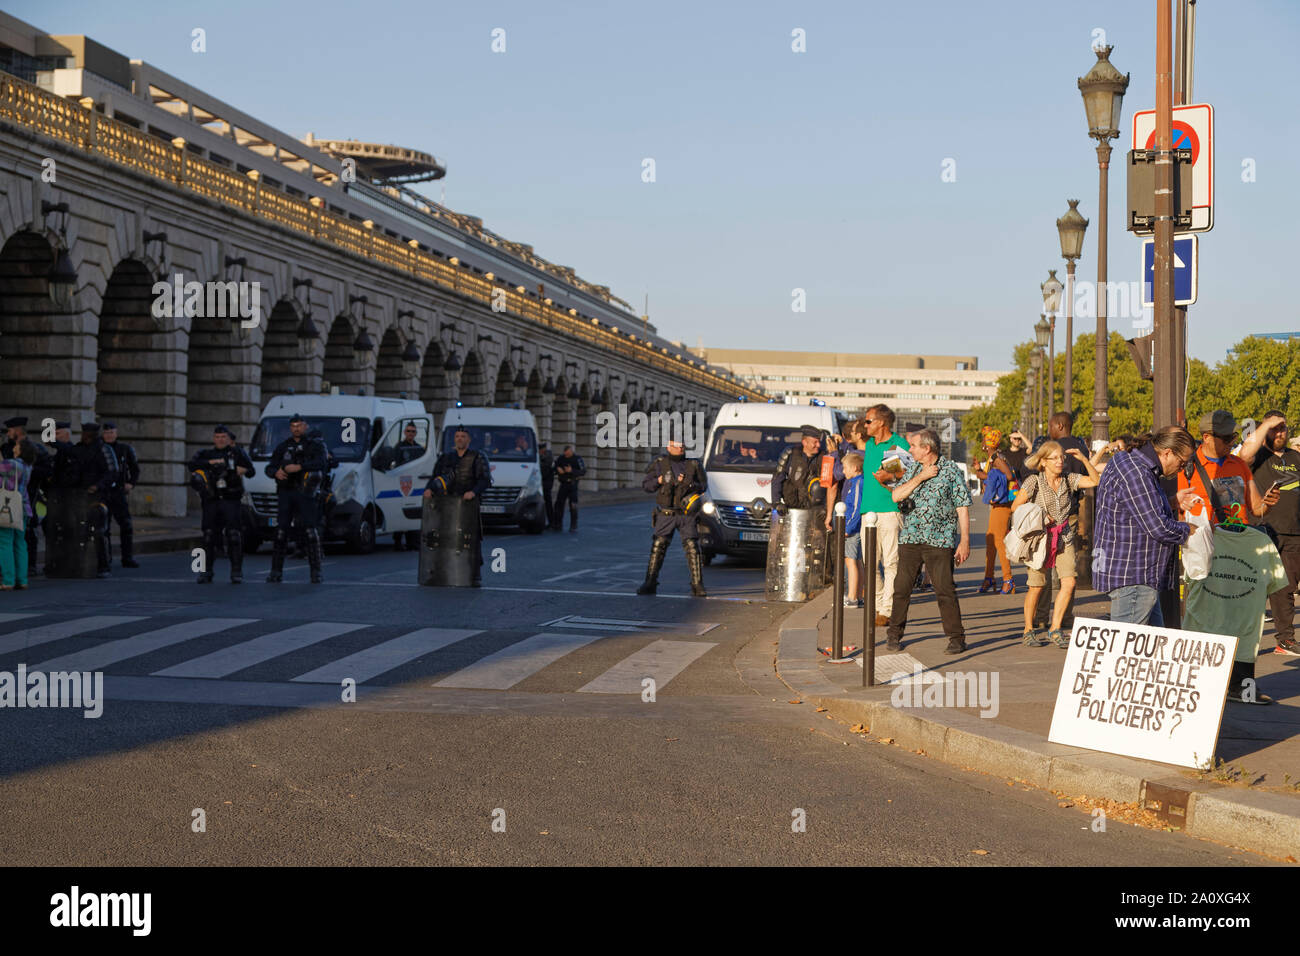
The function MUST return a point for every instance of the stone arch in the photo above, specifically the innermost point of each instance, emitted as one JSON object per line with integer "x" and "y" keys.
{"x": 627, "y": 455}
{"x": 344, "y": 368}
{"x": 539, "y": 403}
{"x": 584, "y": 439}
{"x": 563, "y": 417}
{"x": 391, "y": 376}
{"x": 223, "y": 382}
{"x": 438, "y": 384}
{"x": 27, "y": 329}
{"x": 289, "y": 363}
{"x": 140, "y": 384}
{"x": 473, "y": 381}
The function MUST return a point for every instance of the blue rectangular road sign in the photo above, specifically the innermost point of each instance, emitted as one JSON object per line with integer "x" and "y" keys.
{"x": 1185, "y": 250}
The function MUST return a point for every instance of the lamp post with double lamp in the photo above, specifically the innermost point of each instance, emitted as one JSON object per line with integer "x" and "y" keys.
{"x": 1051, "y": 289}
{"x": 1031, "y": 380}
{"x": 1103, "y": 93}
{"x": 1070, "y": 229}
{"x": 1043, "y": 335}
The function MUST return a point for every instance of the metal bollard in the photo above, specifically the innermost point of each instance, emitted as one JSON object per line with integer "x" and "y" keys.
{"x": 837, "y": 621}
{"x": 869, "y": 605}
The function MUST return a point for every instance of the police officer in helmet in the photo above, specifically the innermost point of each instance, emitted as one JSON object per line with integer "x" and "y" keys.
{"x": 119, "y": 508}
{"x": 678, "y": 484}
{"x": 464, "y": 473}
{"x": 794, "y": 470}
{"x": 297, "y": 465}
{"x": 217, "y": 474}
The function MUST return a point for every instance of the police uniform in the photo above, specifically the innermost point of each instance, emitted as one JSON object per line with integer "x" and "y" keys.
{"x": 453, "y": 475}
{"x": 676, "y": 482}
{"x": 547, "y": 460}
{"x": 568, "y": 490}
{"x": 295, "y": 498}
{"x": 403, "y": 452}
{"x": 220, "y": 487}
{"x": 119, "y": 509}
{"x": 96, "y": 473}
{"x": 794, "y": 472}
{"x": 35, "y": 484}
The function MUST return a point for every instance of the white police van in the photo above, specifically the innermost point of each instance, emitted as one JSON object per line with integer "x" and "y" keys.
{"x": 377, "y": 485}
{"x": 745, "y": 443}
{"x": 508, "y": 436}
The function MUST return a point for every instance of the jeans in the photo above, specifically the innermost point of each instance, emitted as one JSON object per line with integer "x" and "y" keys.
{"x": 1136, "y": 604}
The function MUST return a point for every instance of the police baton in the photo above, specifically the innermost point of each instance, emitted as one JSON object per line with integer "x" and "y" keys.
{"x": 837, "y": 618}
{"x": 869, "y": 606}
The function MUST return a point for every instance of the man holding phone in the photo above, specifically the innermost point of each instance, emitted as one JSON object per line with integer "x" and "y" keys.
{"x": 1277, "y": 468}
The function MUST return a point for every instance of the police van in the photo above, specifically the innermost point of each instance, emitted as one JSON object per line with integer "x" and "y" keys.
{"x": 508, "y": 436}
{"x": 377, "y": 482}
{"x": 745, "y": 443}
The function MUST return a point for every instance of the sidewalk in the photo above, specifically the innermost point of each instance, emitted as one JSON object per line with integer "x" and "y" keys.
{"x": 1246, "y": 803}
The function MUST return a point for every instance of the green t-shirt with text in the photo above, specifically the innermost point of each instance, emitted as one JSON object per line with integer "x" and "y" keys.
{"x": 875, "y": 496}
{"x": 1246, "y": 569}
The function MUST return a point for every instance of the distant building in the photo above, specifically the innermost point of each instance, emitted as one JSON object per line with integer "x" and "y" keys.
{"x": 1280, "y": 336}
{"x": 921, "y": 389}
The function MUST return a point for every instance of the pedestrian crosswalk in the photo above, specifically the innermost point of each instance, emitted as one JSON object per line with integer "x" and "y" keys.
{"x": 230, "y": 648}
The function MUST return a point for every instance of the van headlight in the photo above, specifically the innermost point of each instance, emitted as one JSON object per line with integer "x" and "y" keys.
{"x": 708, "y": 507}
{"x": 533, "y": 486}
{"x": 346, "y": 488}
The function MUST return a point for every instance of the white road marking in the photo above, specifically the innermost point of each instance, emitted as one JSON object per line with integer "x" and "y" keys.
{"x": 238, "y": 656}
{"x": 373, "y": 661}
{"x": 510, "y": 665}
{"x": 6, "y": 618}
{"x": 54, "y": 632}
{"x": 660, "y": 661}
{"x": 111, "y": 652}
{"x": 615, "y": 624}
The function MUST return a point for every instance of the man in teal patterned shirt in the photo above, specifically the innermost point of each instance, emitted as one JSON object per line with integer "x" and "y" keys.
{"x": 938, "y": 518}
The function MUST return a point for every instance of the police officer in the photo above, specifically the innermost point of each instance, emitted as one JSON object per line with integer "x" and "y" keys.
{"x": 464, "y": 473}
{"x": 296, "y": 465}
{"x": 407, "y": 450}
{"x": 795, "y": 469}
{"x": 97, "y": 473}
{"x": 119, "y": 510}
{"x": 16, "y": 431}
{"x": 676, "y": 482}
{"x": 217, "y": 474}
{"x": 569, "y": 468}
{"x": 62, "y": 478}
{"x": 548, "y": 481}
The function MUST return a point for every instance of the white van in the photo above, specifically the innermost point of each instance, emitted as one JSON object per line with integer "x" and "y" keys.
{"x": 508, "y": 436}
{"x": 377, "y": 485}
{"x": 745, "y": 443}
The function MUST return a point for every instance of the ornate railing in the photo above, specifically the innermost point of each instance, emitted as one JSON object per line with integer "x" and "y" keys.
{"x": 27, "y": 105}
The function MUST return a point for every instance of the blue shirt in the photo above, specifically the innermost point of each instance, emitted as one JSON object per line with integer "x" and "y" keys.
{"x": 997, "y": 490}
{"x": 852, "y": 502}
{"x": 1135, "y": 532}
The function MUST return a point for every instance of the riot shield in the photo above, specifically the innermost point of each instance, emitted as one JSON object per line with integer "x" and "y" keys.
{"x": 449, "y": 541}
{"x": 796, "y": 554}
{"x": 69, "y": 533}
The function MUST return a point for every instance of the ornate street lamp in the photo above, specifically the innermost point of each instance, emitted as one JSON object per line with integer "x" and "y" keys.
{"x": 1043, "y": 336}
{"x": 1070, "y": 229}
{"x": 1103, "y": 92}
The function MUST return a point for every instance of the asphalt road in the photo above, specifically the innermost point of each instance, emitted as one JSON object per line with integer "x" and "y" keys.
{"x": 522, "y": 704}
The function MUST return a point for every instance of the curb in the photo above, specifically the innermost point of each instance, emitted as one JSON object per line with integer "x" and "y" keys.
{"x": 1261, "y": 822}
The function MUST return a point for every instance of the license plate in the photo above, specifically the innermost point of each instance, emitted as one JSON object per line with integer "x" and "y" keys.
{"x": 753, "y": 536}
{"x": 270, "y": 522}
{"x": 493, "y": 509}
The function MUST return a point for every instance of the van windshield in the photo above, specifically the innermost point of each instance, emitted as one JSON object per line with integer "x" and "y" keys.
{"x": 499, "y": 443}
{"x": 271, "y": 431}
{"x": 750, "y": 447}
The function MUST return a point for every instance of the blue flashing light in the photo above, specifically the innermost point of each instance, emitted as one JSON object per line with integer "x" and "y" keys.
{"x": 738, "y": 508}
{"x": 458, "y": 404}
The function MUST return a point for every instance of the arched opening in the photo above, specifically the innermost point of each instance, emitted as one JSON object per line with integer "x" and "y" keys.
{"x": 473, "y": 382}
{"x": 539, "y": 403}
{"x": 141, "y": 385}
{"x": 345, "y": 368}
{"x": 438, "y": 385}
{"x": 289, "y": 363}
{"x": 223, "y": 384}
{"x": 505, "y": 387}
{"x": 627, "y": 453}
{"x": 32, "y": 386}
{"x": 391, "y": 377}
{"x": 563, "y": 417}
{"x": 585, "y": 437}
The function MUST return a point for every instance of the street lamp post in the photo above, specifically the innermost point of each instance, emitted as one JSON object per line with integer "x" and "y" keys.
{"x": 1070, "y": 229}
{"x": 1035, "y": 362}
{"x": 1103, "y": 92}
{"x": 1051, "y": 289}
{"x": 1043, "y": 335}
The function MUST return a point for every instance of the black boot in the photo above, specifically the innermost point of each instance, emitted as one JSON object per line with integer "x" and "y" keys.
{"x": 235, "y": 551}
{"x": 658, "y": 548}
{"x": 695, "y": 562}
{"x": 277, "y": 560}
{"x": 128, "y": 550}
{"x": 573, "y": 520}
{"x": 314, "y": 554}
{"x": 209, "y": 555}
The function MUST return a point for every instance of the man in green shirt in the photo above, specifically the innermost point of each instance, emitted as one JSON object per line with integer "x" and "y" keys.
{"x": 882, "y": 443}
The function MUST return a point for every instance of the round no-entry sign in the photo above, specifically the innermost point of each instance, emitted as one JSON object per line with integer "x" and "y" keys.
{"x": 1183, "y": 136}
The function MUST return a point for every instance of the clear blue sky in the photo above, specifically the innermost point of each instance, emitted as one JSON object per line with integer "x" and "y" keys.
{"x": 775, "y": 170}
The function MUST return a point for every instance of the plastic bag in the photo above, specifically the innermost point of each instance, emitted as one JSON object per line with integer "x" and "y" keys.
{"x": 1198, "y": 552}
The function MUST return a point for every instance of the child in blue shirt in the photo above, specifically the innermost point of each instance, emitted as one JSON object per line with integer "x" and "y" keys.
{"x": 852, "y": 498}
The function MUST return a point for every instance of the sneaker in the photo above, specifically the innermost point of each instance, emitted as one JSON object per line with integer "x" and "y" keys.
{"x": 955, "y": 647}
{"x": 849, "y": 602}
{"x": 1059, "y": 637}
{"x": 1033, "y": 638}
{"x": 1287, "y": 645}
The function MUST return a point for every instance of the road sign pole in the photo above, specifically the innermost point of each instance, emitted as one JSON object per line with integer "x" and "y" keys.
{"x": 1166, "y": 386}
{"x": 869, "y": 605}
{"x": 1182, "y": 95}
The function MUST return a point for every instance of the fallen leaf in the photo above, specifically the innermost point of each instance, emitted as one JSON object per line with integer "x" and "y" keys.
{"x": 228, "y": 803}
{"x": 679, "y": 738}
{"x": 821, "y": 710}
{"x": 859, "y": 728}
{"x": 980, "y": 852}
{"x": 1065, "y": 803}
{"x": 545, "y": 833}
{"x": 886, "y": 740}
{"x": 794, "y": 701}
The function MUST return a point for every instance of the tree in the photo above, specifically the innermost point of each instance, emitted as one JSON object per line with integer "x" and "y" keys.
{"x": 1258, "y": 375}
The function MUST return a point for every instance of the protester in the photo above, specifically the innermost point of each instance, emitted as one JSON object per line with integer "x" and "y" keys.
{"x": 1016, "y": 457}
{"x": 881, "y": 442}
{"x": 1230, "y": 479}
{"x": 14, "y": 474}
{"x": 1277, "y": 466}
{"x": 1105, "y": 452}
{"x": 997, "y": 495}
{"x": 938, "y": 516}
{"x": 1057, "y": 493}
{"x": 1135, "y": 532}
{"x": 852, "y": 493}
